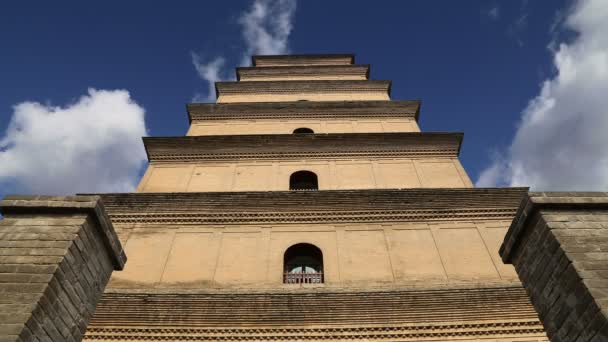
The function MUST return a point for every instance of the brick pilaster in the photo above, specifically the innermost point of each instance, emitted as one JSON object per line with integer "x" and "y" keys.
{"x": 56, "y": 256}
{"x": 558, "y": 243}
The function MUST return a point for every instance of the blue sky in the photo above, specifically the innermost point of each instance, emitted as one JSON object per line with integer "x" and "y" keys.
{"x": 475, "y": 64}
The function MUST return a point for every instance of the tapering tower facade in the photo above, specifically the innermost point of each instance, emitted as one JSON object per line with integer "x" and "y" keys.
{"x": 305, "y": 204}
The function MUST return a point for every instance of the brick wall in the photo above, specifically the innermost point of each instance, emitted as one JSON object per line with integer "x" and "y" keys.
{"x": 56, "y": 256}
{"x": 558, "y": 244}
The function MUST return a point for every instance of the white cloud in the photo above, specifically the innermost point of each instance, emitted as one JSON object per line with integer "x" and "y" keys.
{"x": 562, "y": 140}
{"x": 494, "y": 12}
{"x": 211, "y": 72}
{"x": 266, "y": 27}
{"x": 92, "y": 145}
{"x": 517, "y": 28}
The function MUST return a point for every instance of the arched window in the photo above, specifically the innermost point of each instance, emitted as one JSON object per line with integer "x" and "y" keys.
{"x": 304, "y": 181}
{"x": 303, "y": 130}
{"x": 303, "y": 264}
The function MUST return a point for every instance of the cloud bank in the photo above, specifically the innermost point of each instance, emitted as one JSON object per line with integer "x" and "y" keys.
{"x": 562, "y": 139}
{"x": 92, "y": 145}
{"x": 265, "y": 28}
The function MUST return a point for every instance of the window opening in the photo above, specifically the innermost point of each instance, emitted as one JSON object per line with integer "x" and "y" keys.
{"x": 303, "y": 181}
{"x": 303, "y": 130}
{"x": 303, "y": 264}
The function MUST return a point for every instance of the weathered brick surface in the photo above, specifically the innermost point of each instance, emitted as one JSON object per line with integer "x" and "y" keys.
{"x": 56, "y": 256}
{"x": 558, "y": 243}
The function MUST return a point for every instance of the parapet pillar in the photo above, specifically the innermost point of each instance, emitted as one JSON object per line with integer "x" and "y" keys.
{"x": 558, "y": 243}
{"x": 56, "y": 257}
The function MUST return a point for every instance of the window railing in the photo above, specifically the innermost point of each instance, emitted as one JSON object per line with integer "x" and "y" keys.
{"x": 303, "y": 189}
{"x": 303, "y": 278}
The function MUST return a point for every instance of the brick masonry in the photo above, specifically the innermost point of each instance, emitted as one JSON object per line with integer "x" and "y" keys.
{"x": 558, "y": 243}
{"x": 56, "y": 257}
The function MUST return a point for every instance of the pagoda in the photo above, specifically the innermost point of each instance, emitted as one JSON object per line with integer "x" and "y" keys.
{"x": 305, "y": 204}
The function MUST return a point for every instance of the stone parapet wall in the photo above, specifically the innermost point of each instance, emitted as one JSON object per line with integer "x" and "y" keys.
{"x": 558, "y": 244}
{"x": 56, "y": 256}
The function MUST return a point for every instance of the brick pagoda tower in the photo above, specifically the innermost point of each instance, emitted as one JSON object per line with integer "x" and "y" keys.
{"x": 307, "y": 205}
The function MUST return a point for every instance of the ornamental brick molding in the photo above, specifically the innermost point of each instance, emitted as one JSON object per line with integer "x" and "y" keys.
{"x": 56, "y": 257}
{"x": 558, "y": 243}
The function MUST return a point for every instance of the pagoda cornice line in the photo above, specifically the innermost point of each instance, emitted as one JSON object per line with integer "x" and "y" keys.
{"x": 302, "y": 146}
{"x": 303, "y": 110}
{"x": 304, "y": 70}
{"x": 282, "y": 87}
{"x": 328, "y": 206}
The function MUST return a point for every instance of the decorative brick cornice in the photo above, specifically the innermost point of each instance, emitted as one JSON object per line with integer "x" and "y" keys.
{"x": 300, "y": 87}
{"x": 320, "y": 217}
{"x": 251, "y": 73}
{"x": 303, "y": 110}
{"x": 337, "y": 206}
{"x": 529, "y": 328}
{"x": 300, "y": 146}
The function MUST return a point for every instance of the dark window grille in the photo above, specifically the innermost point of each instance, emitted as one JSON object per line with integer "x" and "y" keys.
{"x": 303, "y": 278}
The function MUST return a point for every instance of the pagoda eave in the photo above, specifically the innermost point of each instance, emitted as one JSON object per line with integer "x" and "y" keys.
{"x": 315, "y": 206}
{"x": 303, "y": 109}
{"x": 303, "y": 146}
{"x": 335, "y": 71}
{"x": 305, "y": 59}
{"x": 302, "y": 87}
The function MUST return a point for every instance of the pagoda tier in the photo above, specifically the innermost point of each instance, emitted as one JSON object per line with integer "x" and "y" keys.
{"x": 299, "y": 146}
{"x": 292, "y": 60}
{"x": 340, "y": 161}
{"x": 319, "y": 117}
{"x": 328, "y": 90}
{"x": 374, "y": 205}
{"x": 427, "y": 230}
{"x": 304, "y": 110}
{"x": 315, "y": 72}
